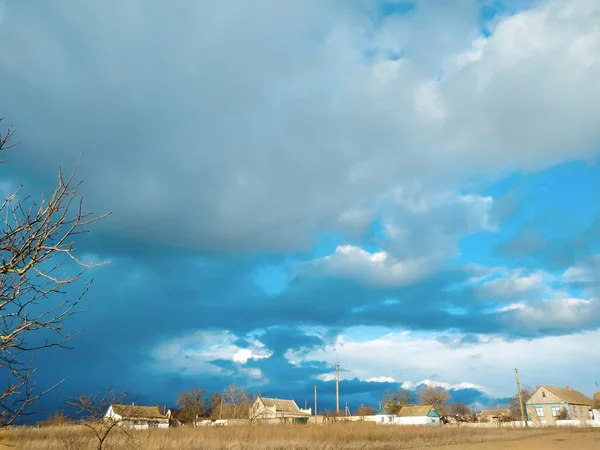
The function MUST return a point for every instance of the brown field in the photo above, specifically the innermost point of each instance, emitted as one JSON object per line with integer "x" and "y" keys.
{"x": 307, "y": 437}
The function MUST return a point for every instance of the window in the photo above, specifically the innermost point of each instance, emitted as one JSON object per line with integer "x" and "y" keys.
{"x": 555, "y": 411}
{"x": 575, "y": 411}
{"x": 539, "y": 411}
{"x": 543, "y": 394}
{"x": 581, "y": 411}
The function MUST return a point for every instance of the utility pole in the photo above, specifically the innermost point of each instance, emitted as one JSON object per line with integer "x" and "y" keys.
{"x": 315, "y": 400}
{"x": 523, "y": 418}
{"x": 337, "y": 388}
{"x": 347, "y": 410}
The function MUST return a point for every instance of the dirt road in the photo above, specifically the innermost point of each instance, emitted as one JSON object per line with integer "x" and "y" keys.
{"x": 550, "y": 441}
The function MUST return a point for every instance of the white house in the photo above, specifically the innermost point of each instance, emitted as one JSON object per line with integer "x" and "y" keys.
{"x": 274, "y": 410}
{"x": 409, "y": 415}
{"x": 137, "y": 417}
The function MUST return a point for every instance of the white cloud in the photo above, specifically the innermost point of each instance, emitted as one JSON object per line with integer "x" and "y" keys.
{"x": 512, "y": 307}
{"x": 420, "y": 230}
{"x": 514, "y": 284}
{"x": 559, "y": 314}
{"x": 243, "y": 355}
{"x": 377, "y": 268}
{"x": 487, "y": 366}
{"x": 270, "y": 140}
{"x": 381, "y": 380}
{"x": 585, "y": 272}
{"x": 325, "y": 377}
{"x": 192, "y": 353}
{"x": 420, "y": 222}
{"x": 447, "y": 386}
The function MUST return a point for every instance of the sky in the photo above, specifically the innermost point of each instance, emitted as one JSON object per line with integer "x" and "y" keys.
{"x": 407, "y": 188}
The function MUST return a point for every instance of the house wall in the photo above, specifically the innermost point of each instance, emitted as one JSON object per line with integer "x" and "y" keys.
{"x": 143, "y": 424}
{"x": 385, "y": 419}
{"x": 110, "y": 414}
{"x": 574, "y": 412}
{"x": 544, "y": 401}
{"x": 260, "y": 411}
{"x": 543, "y": 396}
{"x": 421, "y": 420}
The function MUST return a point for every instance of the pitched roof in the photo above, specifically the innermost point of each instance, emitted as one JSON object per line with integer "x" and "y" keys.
{"x": 414, "y": 411}
{"x": 138, "y": 412}
{"x": 387, "y": 409}
{"x": 494, "y": 412}
{"x": 570, "y": 395}
{"x": 285, "y": 406}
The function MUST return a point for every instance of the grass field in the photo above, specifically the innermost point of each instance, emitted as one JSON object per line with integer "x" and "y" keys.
{"x": 308, "y": 437}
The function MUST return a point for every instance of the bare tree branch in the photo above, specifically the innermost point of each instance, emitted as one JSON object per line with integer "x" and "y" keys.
{"x": 37, "y": 265}
{"x": 91, "y": 411}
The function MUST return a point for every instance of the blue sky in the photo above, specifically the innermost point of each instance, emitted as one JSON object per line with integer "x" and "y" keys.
{"x": 409, "y": 187}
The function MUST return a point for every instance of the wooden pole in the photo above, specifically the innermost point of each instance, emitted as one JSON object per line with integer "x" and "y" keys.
{"x": 523, "y": 417}
{"x": 337, "y": 388}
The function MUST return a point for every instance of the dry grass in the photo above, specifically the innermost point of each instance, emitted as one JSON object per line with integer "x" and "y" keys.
{"x": 271, "y": 437}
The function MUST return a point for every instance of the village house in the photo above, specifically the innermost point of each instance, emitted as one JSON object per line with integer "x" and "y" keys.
{"x": 409, "y": 415}
{"x": 274, "y": 410}
{"x": 137, "y": 417}
{"x": 494, "y": 415}
{"x": 548, "y": 403}
{"x": 595, "y": 414}
{"x": 177, "y": 418}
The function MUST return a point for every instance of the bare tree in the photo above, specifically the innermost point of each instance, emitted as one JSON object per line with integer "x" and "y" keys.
{"x": 365, "y": 410}
{"x": 234, "y": 403}
{"x": 394, "y": 401}
{"x": 214, "y": 404}
{"x": 436, "y": 396}
{"x": 91, "y": 410}
{"x": 37, "y": 264}
{"x": 192, "y": 405}
{"x": 513, "y": 402}
{"x": 461, "y": 412}
{"x": 330, "y": 413}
